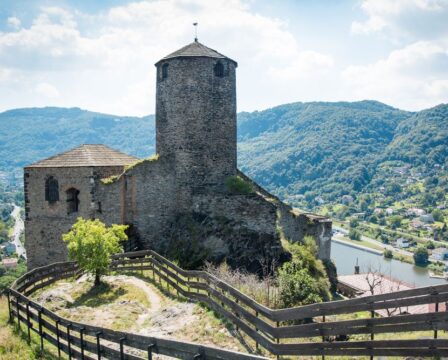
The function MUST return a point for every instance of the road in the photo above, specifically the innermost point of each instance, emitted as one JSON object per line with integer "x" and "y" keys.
{"x": 17, "y": 231}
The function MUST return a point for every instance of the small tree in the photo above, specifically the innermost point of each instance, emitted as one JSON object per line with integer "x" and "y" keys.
{"x": 91, "y": 244}
{"x": 421, "y": 255}
{"x": 387, "y": 253}
{"x": 354, "y": 234}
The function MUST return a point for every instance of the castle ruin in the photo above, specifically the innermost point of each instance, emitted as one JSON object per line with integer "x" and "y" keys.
{"x": 181, "y": 201}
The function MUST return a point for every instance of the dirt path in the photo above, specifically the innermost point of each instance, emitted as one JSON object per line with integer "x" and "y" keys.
{"x": 154, "y": 297}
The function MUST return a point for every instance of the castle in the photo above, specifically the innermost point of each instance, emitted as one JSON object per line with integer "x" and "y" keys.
{"x": 189, "y": 201}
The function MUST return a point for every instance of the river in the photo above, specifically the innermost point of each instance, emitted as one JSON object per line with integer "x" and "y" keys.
{"x": 345, "y": 259}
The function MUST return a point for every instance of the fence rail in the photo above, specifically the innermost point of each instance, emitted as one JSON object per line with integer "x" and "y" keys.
{"x": 82, "y": 341}
{"x": 306, "y": 330}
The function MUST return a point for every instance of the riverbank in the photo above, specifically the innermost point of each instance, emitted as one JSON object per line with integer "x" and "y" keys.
{"x": 346, "y": 256}
{"x": 356, "y": 246}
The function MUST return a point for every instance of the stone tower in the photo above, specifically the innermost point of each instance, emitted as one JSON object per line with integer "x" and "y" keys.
{"x": 196, "y": 117}
{"x": 176, "y": 203}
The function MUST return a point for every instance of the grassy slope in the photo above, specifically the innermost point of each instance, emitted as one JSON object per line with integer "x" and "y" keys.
{"x": 14, "y": 344}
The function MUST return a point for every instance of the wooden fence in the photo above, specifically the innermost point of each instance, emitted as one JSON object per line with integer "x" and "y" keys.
{"x": 315, "y": 329}
{"x": 82, "y": 341}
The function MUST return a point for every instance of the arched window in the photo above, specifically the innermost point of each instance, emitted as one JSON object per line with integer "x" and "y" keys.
{"x": 164, "y": 71}
{"x": 219, "y": 69}
{"x": 72, "y": 200}
{"x": 51, "y": 190}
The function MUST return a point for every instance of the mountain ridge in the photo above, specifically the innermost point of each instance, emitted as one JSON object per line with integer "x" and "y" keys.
{"x": 312, "y": 149}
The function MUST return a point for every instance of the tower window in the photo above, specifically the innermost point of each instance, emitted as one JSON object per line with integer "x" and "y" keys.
{"x": 51, "y": 190}
{"x": 164, "y": 71}
{"x": 219, "y": 69}
{"x": 72, "y": 200}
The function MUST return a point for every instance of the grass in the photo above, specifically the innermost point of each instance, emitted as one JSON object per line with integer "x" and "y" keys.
{"x": 361, "y": 243}
{"x": 14, "y": 344}
{"x": 105, "y": 293}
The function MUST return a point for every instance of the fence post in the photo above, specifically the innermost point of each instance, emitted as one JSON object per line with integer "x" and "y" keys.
{"x": 150, "y": 347}
{"x": 39, "y": 316}
{"x": 153, "y": 272}
{"x": 9, "y": 305}
{"x": 237, "y": 315}
{"x": 437, "y": 310}
{"x": 256, "y": 329}
{"x": 323, "y": 337}
{"x": 81, "y": 337}
{"x": 278, "y": 339}
{"x": 28, "y": 320}
{"x": 372, "y": 335}
{"x": 58, "y": 340}
{"x": 68, "y": 341}
{"x": 122, "y": 340}
{"x": 98, "y": 346}
{"x": 18, "y": 313}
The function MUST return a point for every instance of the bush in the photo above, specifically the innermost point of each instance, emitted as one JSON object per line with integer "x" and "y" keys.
{"x": 8, "y": 276}
{"x": 421, "y": 255}
{"x": 303, "y": 280}
{"x": 354, "y": 222}
{"x": 388, "y": 254}
{"x": 237, "y": 185}
{"x": 354, "y": 234}
{"x": 263, "y": 290}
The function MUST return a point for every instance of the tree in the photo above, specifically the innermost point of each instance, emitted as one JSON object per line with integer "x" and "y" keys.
{"x": 91, "y": 244}
{"x": 395, "y": 221}
{"x": 354, "y": 234}
{"x": 421, "y": 255}
{"x": 430, "y": 245}
{"x": 438, "y": 215}
{"x": 354, "y": 222}
{"x": 388, "y": 254}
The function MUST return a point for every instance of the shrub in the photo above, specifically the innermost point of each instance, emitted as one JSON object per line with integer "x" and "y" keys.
{"x": 237, "y": 185}
{"x": 303, "y": 280}
{"x": 421, "y": 255}
{"x": 388, "y": 254}
{"x": 354, "y": 234}
{"x": 91, "y": 244}
{"x": 263, "y": 290}
{"x": 354, "y": 222}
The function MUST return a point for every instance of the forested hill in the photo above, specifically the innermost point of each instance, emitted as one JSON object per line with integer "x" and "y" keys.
{"x": 317, "y": 148}
{"x": 314, "y": 149}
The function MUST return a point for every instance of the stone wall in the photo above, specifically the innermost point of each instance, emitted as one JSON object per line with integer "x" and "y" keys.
{"x": 44, "y": 222}
{"x": 144, "y": 197}
{"x": 295, "y": 225}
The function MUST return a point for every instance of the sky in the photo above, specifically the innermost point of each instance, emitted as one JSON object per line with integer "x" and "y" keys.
{"x": 99, "y": 55}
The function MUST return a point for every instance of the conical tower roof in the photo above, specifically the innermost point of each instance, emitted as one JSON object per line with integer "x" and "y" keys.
{"x": 195, "y": 49}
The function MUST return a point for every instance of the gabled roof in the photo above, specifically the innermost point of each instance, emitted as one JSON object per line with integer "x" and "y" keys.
{"x": 195, "y": 49}
{"x": 87, "y": 155}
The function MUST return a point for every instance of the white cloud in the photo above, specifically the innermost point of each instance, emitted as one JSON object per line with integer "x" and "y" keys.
{"x": 98, "y": 61}
{"x": 307, "y": 64}
{"x": 47, "y": 90}
{"x": 14, "y": 22}
{"x": 104, "y": 61}
{"x": 410, "y": 19}
{"x": 413, "y": 77}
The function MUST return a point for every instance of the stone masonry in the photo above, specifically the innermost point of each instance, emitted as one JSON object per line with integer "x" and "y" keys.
{"x": 177, "y": 202}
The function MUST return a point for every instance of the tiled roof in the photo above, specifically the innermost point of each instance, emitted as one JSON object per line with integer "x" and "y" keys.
{"x": 195, "y": 49}
{"x": 87, "y": 155}
{"x": 385, "y": 285}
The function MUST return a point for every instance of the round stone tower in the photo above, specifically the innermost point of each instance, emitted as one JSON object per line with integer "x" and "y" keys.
{"x": 196, "y": 116}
